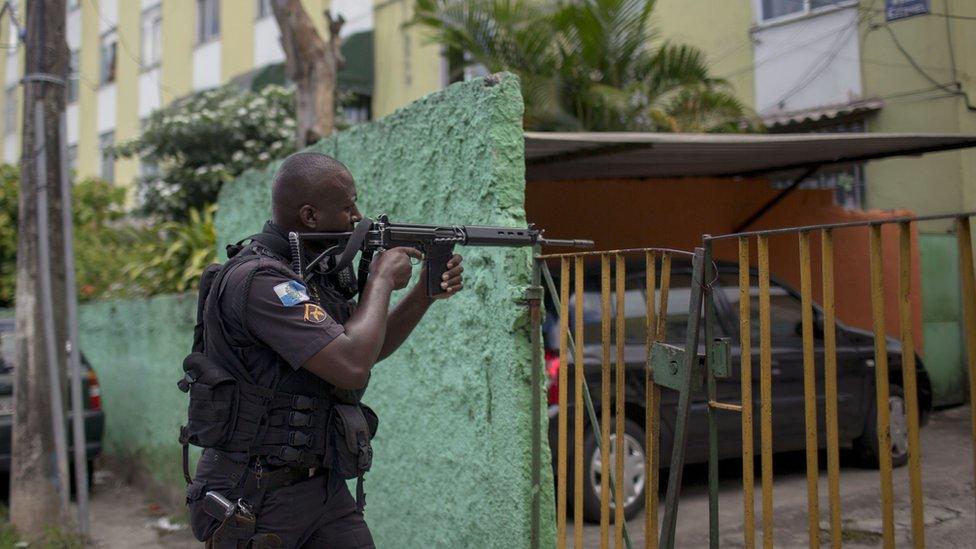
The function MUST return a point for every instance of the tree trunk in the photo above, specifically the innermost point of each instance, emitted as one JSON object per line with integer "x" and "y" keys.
{"x": 38, "y": 487}
{"x": 311, "y": 64}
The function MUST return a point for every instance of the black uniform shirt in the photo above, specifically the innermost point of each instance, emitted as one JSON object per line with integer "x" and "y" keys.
{"x": 283, "y": 319}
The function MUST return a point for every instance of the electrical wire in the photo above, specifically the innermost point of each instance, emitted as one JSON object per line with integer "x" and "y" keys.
{"x": 911, "y": 60}
{"x": 125, "y": 47}
{"x": 821, "y": 64}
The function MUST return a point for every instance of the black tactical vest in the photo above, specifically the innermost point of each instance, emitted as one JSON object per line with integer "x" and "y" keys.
{"x": 300, "y": 420}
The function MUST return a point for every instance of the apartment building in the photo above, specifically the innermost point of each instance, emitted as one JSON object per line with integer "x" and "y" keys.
{"x": 131, "y": 57}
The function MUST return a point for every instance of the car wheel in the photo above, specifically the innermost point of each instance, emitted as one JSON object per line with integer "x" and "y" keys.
{"x": 635, "y": 477}
{"x": 866, "y": 446}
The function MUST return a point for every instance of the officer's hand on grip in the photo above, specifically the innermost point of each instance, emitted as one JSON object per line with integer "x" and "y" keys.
{"x": 451, "y": 281}
{"x": 395, "y": 265}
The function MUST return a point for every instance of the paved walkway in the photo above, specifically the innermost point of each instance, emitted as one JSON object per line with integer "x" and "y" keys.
{"x": 947, "y": 483}
{"x": 125, "y": 517}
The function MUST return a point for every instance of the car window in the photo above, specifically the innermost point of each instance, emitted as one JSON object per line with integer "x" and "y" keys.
{"x": 785, "y": 310}
{"x": 635, "y": 310}
{"x": 7, "y": 351}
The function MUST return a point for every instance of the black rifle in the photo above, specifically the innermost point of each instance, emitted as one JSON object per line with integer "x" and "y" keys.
{"x": 436, "y": 242}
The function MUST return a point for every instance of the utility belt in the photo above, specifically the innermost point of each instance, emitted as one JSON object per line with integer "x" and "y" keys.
{"x": 287, "y": 437}
{"x": 236, "y": 521}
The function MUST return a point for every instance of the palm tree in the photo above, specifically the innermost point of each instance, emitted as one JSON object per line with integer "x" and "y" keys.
{"x": 588, "y": 64}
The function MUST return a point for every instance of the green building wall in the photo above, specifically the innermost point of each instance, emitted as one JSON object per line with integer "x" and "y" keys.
{"x": 454, "y": 447}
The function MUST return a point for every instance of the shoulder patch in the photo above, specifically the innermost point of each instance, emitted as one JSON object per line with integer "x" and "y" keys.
{"x": 314, "y": 314}
{"x": 291, "y": 293}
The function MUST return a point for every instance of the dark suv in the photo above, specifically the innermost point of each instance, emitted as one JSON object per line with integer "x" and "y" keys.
{"x": 855, "y": 379}
{"x": 94, "y": 416}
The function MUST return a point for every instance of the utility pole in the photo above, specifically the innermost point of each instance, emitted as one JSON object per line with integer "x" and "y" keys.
{"x": 38, "y": 476}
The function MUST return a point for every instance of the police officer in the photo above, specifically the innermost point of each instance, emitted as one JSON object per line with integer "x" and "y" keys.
{"x": 299, "y": 350}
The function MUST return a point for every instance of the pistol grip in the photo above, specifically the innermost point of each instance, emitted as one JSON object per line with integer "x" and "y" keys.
{"x": 436, "y": 259}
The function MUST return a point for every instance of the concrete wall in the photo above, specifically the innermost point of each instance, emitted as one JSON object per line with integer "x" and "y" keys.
{"x": 137, "y": 349}
{"x": 406, "y": 64}
{"x": 453, "y": 450}
{"x": 720, "y": 30}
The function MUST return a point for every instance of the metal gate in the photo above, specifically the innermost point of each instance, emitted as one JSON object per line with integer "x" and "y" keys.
{"x": 601, "y": 362}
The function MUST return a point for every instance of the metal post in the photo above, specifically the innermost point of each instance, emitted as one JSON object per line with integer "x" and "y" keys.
{"x": 830, "y": 386}
{"x": 881, "y": 388}
{"x": 605, "y": 400}
{"x": 710, "y": 320}
{"x": 745, "y": 382}
{"x": 684, "y": 403}
{"x": 534, "y": 302}
{"x": 73, "y": 349}
{"x": 909, "y": 381}
{"x": 652, "y": 422}
{"x": 620, "y": 365}
{"x": 966, "y": 272}
{"x": 765, "y": 392}
{"x": 563, "y": 419}
{"x": 809, "y": 392}
{"x": 47, "y": 308}
{"x": 579, "y": 385}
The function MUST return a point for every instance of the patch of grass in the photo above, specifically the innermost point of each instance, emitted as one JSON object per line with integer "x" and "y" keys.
{"x": 54, "y": 537}
{"x": 859, "y": 536}
{"x": 60, "y": 538}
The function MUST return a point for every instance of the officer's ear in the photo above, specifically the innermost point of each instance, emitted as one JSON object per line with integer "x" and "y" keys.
{"x": 308, "y": 216}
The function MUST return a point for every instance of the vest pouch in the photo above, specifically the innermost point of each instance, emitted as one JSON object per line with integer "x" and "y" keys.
{"x": 352, "y": 429}
{"x": 214, "y": 399}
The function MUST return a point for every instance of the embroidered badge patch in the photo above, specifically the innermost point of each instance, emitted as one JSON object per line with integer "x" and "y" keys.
{"x": 314, "y": 313}
{"x": 291, "y": 293}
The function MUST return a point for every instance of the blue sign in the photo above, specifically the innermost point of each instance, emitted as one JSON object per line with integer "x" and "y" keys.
{"x": 900, "y": 9}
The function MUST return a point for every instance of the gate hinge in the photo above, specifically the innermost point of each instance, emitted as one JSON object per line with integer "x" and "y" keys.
{"x": 531, "y": 296}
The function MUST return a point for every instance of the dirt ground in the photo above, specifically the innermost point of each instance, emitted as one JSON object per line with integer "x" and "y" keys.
{"x": 126, "y": 517}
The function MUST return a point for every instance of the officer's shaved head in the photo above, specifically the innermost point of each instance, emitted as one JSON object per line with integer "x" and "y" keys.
{"x": 308, "y": 190}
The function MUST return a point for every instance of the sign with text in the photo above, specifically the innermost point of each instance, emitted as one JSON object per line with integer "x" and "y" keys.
{"x": 900, "y": 9}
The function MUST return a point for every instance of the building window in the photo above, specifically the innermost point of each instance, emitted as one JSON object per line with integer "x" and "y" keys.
{"x": 263, "y": 9}
{"x": 73, "y": 77}
{"x": 12, "y": 37}
{"x": 10, "y": 111}
{"x": 106, "y": 142}
{"x": 152, "y": 37}
{"x": 72, "y": 161}
{"x": 108, "y": 52}
{"x": 847, "y": 183}
{"x": 772, "y": 9}
{"x": 208, "y": 20}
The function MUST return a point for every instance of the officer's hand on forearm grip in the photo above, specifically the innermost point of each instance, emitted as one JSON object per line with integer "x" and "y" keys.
{"x": 395, "y": 265}
{"x": 451, "y": 280}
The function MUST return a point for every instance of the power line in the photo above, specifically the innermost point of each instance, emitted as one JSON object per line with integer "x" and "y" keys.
{"x": 958, "y": 88}
{"x": 125, "y": 47}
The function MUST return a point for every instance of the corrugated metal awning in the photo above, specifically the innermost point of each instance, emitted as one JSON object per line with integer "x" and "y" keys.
{"x": 602, "y": 155}
{"x": 830, "y": 113}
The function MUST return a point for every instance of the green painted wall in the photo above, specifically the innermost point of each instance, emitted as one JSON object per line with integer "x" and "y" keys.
{"x": 453, "y": 451}
{"x": 137, "y": 349}
{"x": 942, "y": 318}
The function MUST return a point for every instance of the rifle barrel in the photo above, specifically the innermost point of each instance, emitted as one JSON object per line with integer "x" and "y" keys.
{"x": 574, "y": 243}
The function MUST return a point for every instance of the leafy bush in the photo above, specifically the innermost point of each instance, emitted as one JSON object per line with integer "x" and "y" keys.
{"x": 115, "y": 256}
{"x": 206, "y": 140}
